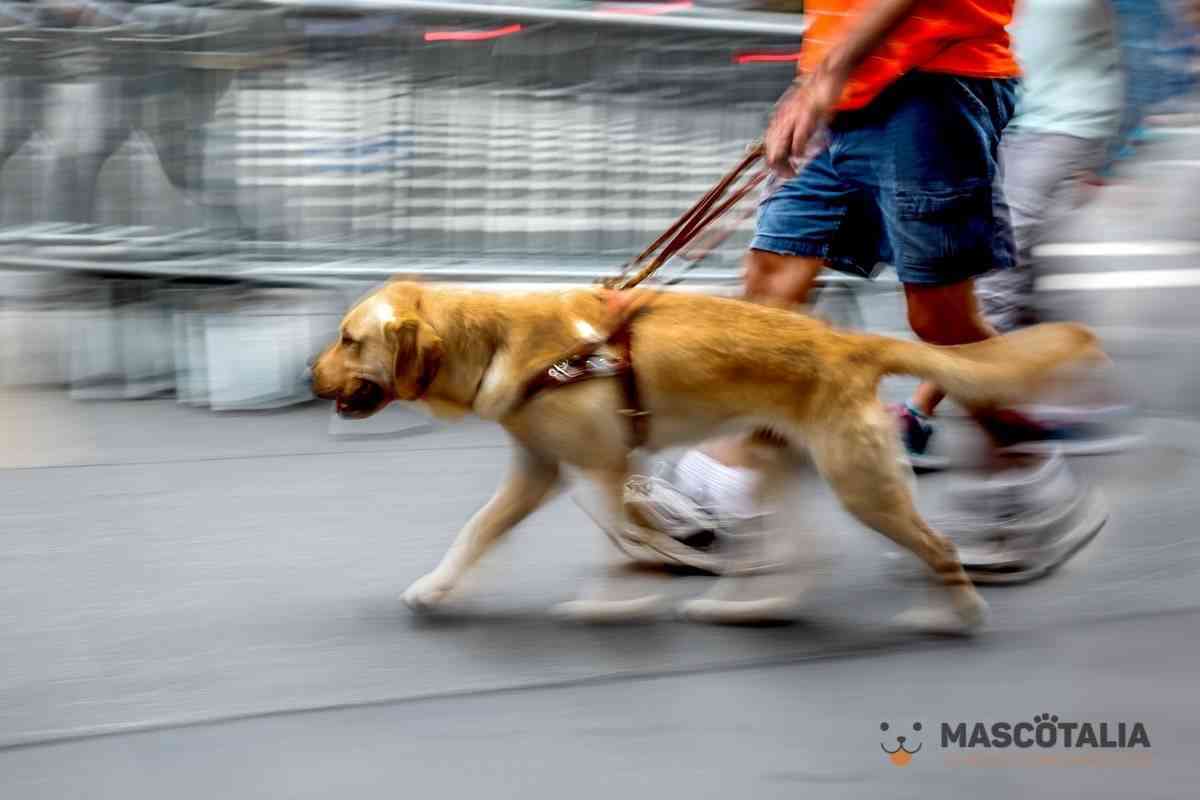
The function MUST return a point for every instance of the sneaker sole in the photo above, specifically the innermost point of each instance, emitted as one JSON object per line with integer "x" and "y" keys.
{"x": 1081, "y": 447}
{"x": 907, "y": 569}
{"x": 659, "y": 550}
{"x": 668, "y": 553}
{"x": 925, "y": 463}
{"x": 1055, "y": 556}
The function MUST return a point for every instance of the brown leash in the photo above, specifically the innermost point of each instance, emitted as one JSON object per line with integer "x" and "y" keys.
{"x": 695, "y": 221}
{"x": 585, "y": 361}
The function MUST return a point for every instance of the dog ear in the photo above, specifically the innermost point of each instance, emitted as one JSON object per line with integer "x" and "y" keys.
{"x": 418, "y": 357}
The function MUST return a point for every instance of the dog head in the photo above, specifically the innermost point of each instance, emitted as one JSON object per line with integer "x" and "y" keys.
{"x": 385, "y": 351}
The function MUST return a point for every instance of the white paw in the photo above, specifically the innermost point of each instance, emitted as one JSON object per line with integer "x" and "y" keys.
{"x": 944, "y": 620}
{"x": 427, "y": 592}
{"x": 759, "y": 611}
{"x": 638, "y": 609}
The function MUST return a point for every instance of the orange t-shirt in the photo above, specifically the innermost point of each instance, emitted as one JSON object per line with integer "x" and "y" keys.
{"x": 959, "y": 37}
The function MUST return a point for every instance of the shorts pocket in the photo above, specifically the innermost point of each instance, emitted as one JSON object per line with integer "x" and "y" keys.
{"x": 935, "y": 228}
{"x": 944, "y": 204}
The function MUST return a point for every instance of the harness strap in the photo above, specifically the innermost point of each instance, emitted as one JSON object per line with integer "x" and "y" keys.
{"x": 639, "y": 418}
{"x": 585, "y": 362}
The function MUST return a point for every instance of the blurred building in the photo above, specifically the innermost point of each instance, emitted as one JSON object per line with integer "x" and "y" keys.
{"x": 194, "y": 189}
{"x": 173, "y": 174}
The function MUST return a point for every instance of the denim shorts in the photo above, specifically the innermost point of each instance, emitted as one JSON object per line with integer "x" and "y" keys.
{"x": 910, "y": 181}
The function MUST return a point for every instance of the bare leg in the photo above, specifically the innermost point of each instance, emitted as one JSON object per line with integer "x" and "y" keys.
{"x": 950, "y": 315}
{"x": 927, "y": 398}
{"x": 779, "y": 280}
{"x": 530, "y": 480}
{"x": 927, "y": 315}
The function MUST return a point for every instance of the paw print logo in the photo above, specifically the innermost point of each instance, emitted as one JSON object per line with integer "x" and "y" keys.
{"x": 1040, "y": 718}
{"x": 903, "y": 751}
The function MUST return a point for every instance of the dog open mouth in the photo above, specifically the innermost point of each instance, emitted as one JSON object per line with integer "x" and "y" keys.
{"x": 363, "y": 400}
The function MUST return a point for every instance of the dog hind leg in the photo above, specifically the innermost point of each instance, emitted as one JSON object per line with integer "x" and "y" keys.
{"x": 859, "y": 457}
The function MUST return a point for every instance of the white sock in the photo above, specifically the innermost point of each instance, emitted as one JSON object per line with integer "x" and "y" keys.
{"x": 722, "y": 489}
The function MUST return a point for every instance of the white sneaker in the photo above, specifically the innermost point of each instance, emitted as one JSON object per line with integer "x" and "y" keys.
{"x": 1017, "y": 527}
{"x": 703, "y": 522}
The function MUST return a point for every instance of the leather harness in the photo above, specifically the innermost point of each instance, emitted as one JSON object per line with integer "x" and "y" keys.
{"x": 585, "y": 362}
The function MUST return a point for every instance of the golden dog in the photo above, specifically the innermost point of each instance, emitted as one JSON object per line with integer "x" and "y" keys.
{"x": 704, "y": 366}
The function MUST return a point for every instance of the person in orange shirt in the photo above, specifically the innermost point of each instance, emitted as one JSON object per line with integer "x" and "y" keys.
{"x": 910, "y": 97}
{"x": 885, "y": 150}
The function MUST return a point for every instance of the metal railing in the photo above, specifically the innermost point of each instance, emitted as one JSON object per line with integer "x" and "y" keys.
{"x": 191, "y": 192}
{"x": 302, "y": 139}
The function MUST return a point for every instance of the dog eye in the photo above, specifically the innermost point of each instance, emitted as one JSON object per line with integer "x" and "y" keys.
{"x": 347, "y": 341}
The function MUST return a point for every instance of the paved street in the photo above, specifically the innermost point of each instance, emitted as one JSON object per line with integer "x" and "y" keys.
{"x": 228, "y": 586}
{"x": 201, "y": 605}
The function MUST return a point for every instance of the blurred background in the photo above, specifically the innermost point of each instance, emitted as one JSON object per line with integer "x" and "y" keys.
{"x": 200, "y": 567}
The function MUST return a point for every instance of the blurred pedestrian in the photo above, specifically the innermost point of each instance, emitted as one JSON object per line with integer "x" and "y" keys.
{"x": 22, "y": 78}
{"x": 913, "y": 98}
{"x": 1158, "y": 49}
{"x": 1069, "y": 113}
{"x": 137, "y": 82}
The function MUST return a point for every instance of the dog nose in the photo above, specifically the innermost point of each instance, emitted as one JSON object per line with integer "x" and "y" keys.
{"x": 901, "y": 739}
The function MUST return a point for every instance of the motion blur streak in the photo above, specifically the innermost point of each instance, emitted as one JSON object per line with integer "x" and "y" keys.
{"x": 644, "y": 8}
{"x": 759, "y": 58}
{"x": 471, "y": 36}
{"x": 192, "y": 194}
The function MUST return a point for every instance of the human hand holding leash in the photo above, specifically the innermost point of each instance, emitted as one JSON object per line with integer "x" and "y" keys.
{"x": 811, "y": 101}
{"x": 803, "y": 111}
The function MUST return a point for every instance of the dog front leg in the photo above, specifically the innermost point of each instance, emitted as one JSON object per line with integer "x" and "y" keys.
{"x": 530, "y": 480}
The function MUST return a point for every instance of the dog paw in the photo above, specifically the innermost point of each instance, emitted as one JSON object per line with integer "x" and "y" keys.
{"x": 761, "y": 611}
{"x": 944, "y": 620}
{"x": 638, "y": 609}
{"x": 427, "y": 592}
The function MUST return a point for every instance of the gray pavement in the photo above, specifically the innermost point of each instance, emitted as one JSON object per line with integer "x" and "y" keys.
{"x": 805, "y": 727}
{"x": 197, "y": 605}
{"x": 165, "y": 567}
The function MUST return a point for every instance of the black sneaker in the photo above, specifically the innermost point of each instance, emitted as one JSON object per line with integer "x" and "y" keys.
{"x": 916, "y": 433}
{"x": 1082, "y": 431}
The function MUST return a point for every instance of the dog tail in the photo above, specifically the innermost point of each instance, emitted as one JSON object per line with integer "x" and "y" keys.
{"x": 997, "y": 371}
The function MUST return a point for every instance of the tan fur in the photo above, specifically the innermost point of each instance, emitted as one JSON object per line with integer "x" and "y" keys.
{"x": 705, "y": 366}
